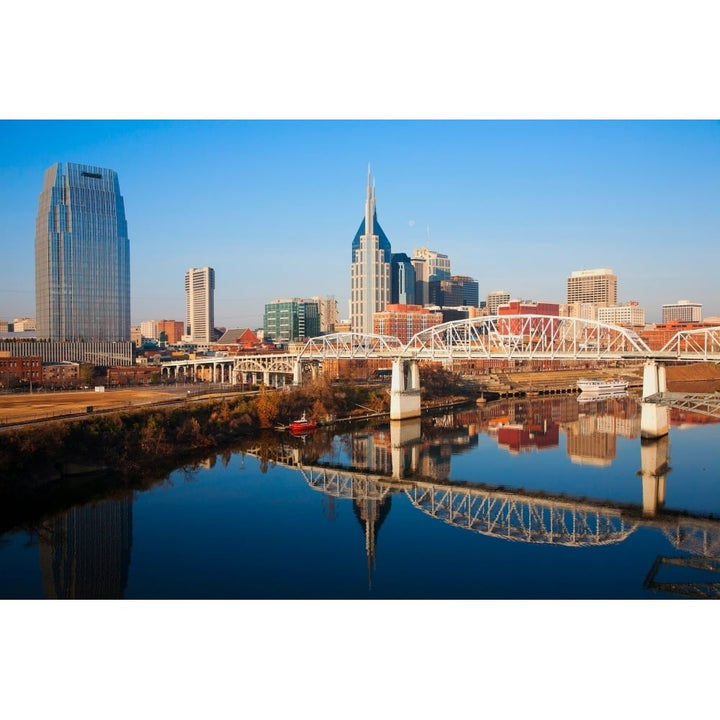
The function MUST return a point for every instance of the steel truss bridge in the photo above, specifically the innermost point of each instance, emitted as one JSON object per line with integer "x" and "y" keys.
{"x": 506, "y": 337}
{"x": 529, "y": 337}
{"x": 701, "y": 403}
{"x": 513, "y": 515}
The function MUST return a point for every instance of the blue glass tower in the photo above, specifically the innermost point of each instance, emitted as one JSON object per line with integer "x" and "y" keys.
{"x": 82, "y": 256}
{"x": 402, "y": 280}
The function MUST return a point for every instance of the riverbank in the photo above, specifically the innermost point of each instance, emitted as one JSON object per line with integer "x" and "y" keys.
{"x": 691, "y": 377}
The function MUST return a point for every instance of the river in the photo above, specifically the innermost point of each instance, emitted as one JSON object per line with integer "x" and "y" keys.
{"x": 544, "y": 498}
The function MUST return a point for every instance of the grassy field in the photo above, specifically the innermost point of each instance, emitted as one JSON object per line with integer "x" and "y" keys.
{"x": 41, "y": 405}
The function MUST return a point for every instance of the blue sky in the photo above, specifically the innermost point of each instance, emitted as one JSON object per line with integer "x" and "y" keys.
{"x": 273, "y": 205}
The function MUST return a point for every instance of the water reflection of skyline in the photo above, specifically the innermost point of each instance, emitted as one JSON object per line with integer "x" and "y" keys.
{"x": 518, "y": 426}
{"x": 421, "y": 456}
{"x": 85, "y": 552}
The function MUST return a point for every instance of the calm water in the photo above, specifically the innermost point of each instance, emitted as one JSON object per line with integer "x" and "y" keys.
{"x": 520, "y": 499}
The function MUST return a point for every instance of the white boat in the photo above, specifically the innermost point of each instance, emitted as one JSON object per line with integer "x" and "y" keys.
{"x": 588, "y": 397}
{"x": 597, "y": 385}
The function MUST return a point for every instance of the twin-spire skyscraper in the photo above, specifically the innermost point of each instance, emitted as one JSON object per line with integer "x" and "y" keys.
{"x": 370, "y": 268}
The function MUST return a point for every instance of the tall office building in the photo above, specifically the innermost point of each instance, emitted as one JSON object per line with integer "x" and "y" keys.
{"x": 430, "y": 266}
{"x": 402, "y": 280}
{"x": 370, "y": 268}
{"x": 459, "y": 290}
{"x": 200, "y": 304}
{"x": 291, "y": 319}
{"x": 682, "y": 310}
{"x": 598, "y": 287}
{"x": 82, "y": 256}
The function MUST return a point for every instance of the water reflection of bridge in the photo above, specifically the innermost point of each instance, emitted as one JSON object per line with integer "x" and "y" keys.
{"x": 511, "y": 514}
{"x": 518, "y": 515}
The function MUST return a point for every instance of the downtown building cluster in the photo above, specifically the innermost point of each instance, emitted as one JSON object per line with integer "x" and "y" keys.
{"x": 82, "y": 290}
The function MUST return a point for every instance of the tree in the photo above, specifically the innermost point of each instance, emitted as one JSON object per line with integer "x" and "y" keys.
{"x": 266, "y": 407}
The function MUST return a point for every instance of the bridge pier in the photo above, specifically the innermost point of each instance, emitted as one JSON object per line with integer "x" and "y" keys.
{"x": 654, "y": 418}
{"x": 405, "y": 389}
{"x": 654, "y": 456}
{"x": 405, "y": 443}
{"x": 297, "y": 373}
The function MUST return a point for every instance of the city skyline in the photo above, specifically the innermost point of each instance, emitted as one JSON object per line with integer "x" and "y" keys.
{"x": 273, "y": 205}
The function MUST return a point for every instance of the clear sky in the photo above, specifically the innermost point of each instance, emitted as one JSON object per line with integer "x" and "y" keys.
{"x": 273, "y": 206}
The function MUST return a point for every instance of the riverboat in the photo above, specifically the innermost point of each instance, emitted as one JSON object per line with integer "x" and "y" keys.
{"x": 301, "y": 426}
{"x": 600, "y": 386}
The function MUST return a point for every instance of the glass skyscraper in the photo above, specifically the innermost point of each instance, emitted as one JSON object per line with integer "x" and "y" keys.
{"x": 82, "y": 256}
{"x": 402, "y": 280}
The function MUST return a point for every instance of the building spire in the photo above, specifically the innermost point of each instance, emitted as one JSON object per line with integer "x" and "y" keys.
{"x": 369, "y": 204}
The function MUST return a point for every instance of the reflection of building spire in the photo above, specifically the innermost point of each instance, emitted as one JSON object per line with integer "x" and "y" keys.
{"x": 371, "y": 515}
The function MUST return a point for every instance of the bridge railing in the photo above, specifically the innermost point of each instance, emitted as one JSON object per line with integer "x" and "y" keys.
{"x": 693, "y": 344}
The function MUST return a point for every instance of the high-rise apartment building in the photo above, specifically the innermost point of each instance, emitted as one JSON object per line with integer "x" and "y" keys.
{"x": 200, "y": 304}
{"x": 82, "y": 256}
{"x": 290, "y": 320}
{"x": 329, "y": 315}
{"x": 598, "y": 287}
{"x": 682, "y": 310}
{"x": 370, "y": 268}
{"x": 495, "y": 299}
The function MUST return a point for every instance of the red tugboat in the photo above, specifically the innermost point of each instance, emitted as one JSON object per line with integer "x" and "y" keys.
{"x": 302, "y": 426}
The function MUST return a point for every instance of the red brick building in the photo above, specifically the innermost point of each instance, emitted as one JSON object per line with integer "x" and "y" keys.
{"x": 404, "y": 321}
{"x": 173, "y": 329}
{"x": 238, "y": 340}
{"x": 17, "y": 370}
{"x": 657, "y": 336}
{"x": 522, "y": 307}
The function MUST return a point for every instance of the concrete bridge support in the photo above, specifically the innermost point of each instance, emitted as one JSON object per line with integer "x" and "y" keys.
{"x": 405, "y": 390}
{"x": 297, "y": 373}
{"x": 654, "y": 419}
{"x": 405, "y": 442}
{"x": 654, "y": 455}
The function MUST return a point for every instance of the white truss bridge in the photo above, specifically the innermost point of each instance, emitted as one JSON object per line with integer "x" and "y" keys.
{"x": 506, "y": 337}
{"x": 528, "y": 337}
{"x": 542, "y": 337}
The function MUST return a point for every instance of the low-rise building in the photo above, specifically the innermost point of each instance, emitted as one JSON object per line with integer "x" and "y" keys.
{"x": 62, "y": 374}
{"x": 16, "y": 371}
{"x": 404, "y": 321}
{"x": 630, "y": 315}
